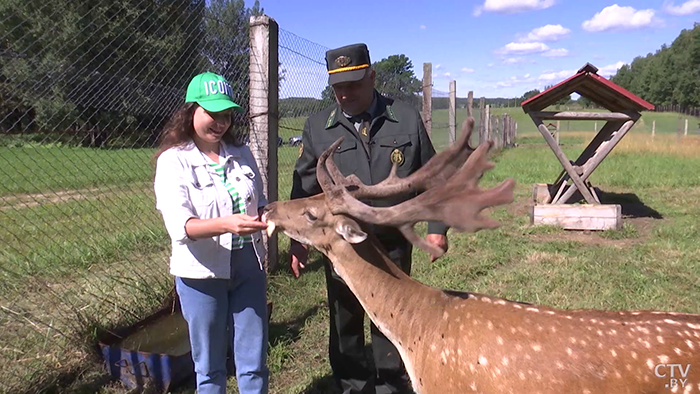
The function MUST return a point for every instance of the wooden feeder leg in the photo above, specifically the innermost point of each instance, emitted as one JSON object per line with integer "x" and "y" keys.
{"x": 563, "y": 160}
{"x": 598, "y": 157}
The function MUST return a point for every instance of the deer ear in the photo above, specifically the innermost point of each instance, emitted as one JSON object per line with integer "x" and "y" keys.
{"x": 350, "y": 231}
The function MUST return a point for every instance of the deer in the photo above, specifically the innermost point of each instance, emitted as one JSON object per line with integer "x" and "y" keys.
{"x": 454, "y": 342}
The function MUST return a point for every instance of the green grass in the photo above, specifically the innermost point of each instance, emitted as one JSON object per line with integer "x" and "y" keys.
{"x": 98, "y": 258}
{"x": 39, "y": 169}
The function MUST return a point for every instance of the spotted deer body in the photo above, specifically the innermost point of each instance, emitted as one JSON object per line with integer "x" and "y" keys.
{"x": 453, "y": 342}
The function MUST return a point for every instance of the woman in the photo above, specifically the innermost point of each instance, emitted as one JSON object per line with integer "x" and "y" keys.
{"x": 209, "y": 191}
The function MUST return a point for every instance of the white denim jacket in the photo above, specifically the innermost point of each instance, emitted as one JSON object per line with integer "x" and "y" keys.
{"x": 187, "y": 187}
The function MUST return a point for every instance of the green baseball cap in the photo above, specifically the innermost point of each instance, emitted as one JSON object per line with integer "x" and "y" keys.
{"x": 212, "y": 92}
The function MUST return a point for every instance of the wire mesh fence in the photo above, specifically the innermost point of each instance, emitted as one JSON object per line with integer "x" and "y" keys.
{"x": 85, "y": 90}
{"x": 303, "y": 92}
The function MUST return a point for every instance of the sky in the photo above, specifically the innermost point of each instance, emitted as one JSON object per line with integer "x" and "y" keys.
{"x": 496, "y": 48}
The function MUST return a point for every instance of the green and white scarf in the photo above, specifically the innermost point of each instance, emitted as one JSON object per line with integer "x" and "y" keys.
{"x": 238, "y": 204}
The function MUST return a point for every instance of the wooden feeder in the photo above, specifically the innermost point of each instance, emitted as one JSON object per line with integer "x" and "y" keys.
{"x": 554, "y": 203}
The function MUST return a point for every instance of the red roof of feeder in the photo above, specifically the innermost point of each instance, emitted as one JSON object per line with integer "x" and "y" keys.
{"x": 589, "y": 84}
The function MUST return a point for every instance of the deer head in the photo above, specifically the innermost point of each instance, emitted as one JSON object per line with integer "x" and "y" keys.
{"x": 448, "y": 192}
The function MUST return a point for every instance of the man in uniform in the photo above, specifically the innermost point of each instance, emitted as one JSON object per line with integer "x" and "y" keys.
{"x": 378, "y": 132}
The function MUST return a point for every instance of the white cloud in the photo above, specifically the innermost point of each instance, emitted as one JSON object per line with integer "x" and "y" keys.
{"x": 546, "y": 33}
{"x": 489, "y": 65}
{"x": 515, "y": 80}
{"x": 615, "y": 17}
{"x": 687, "y": 8}
{"x": 517, "y": 60}
{"x": 512, "y": 6}
{"x": 561, "y": 52}
{"x": 438, "y": 66}
{"x": 447, "y": 75}
{"x": 524, "y": 48}
{"x": 610, "y": 69}
{"x": 467, "y": 70}
{"x": 556, "y": 76}
{"x": 422, "y": 27}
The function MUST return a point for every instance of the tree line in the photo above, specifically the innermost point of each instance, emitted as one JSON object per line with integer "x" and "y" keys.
{"x": 670, "y": 76}
{"x": 84, "y": 67}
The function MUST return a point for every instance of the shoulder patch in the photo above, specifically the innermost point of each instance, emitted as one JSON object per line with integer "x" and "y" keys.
{"x": 390, "y": 112}
{"x": 331, "y": 118}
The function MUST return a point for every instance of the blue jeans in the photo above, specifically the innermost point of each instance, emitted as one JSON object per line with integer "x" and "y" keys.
{"x": 208, "y": 305}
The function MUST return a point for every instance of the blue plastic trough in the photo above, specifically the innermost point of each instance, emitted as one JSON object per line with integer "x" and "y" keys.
{"x": 154, "y": 352}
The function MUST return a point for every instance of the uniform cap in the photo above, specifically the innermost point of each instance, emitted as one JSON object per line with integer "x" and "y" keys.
{"x": 348, "y": 63}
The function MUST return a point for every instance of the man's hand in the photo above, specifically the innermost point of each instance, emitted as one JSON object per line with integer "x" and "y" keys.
{"x": 299, "y": 254}
{"x": 438, "y": 240}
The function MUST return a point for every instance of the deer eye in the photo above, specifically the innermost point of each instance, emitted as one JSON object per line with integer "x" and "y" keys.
{"x": 310, "y": 216}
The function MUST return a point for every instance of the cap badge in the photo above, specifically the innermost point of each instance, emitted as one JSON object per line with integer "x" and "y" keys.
{"x": 342, "y": 61}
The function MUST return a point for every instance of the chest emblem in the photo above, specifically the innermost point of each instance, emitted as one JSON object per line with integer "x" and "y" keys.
{"x": 397, "y": 157}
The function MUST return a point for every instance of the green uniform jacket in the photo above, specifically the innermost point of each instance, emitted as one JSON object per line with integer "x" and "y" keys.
{"x": 399, "y": 127}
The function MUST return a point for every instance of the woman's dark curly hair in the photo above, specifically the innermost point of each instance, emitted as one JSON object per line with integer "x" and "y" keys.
{"x": 179, "y": 130}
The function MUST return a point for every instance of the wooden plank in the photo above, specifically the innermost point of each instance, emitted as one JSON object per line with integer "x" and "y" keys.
{"x": 604, "y": 134}
{"x": 578, "y": 216}
{"x": 563, "y": 160}
{"x": 572, "y": 115}
{"x": 607, "y": 97}
{"x": 600, "y": 155}
{"x": 541, "y": 194}
{"x": 554, "y": 94}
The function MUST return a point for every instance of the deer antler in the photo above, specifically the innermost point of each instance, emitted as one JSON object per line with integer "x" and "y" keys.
{"x": 436, "y": 172}
{"x": 450, "y": 192}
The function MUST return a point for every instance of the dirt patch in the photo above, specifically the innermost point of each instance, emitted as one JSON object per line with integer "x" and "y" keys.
{"x": 519, "y": 207}
{"x": 636, "y": 232}
{"x": 639, "y": 220}
{"x": 20, "y": 201}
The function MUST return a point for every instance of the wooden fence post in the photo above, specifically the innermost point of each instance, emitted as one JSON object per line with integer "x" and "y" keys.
{"x": 264, "y": 114}
{"x": 428, "y": 97}
{"x": 470, "y": 104}
{"x": 494, "y": 131}
{"x": 452, "y": 112}
{"x": 482, "y": 120}
{"x": 487, "y": 125}
{"x": 504, "y": 134}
